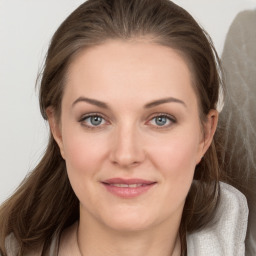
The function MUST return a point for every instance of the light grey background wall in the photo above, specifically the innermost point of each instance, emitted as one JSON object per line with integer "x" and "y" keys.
{"x": 26, "y": 27}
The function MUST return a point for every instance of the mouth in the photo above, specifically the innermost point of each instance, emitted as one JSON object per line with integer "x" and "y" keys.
{"x": 128, "y": 188}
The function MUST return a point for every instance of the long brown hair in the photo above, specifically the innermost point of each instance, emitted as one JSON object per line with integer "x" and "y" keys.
{"x": 44, "y": 204}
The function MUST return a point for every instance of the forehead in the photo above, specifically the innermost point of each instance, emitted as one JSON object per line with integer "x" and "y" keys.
{"x": 134, "y": 69}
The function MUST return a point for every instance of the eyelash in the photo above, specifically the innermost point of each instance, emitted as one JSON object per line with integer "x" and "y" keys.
{"x": 84, "y": 117}
{"x": 169, "y": 117}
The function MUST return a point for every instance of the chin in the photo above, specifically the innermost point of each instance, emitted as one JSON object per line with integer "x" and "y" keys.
{"x": 129, "y": 222}
{"x": 129, "y": 226}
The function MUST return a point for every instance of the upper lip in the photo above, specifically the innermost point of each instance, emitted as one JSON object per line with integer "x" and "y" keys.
{"x": 128, "y": 181}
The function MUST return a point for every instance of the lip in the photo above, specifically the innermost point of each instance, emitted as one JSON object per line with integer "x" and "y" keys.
{"x": 120, "y": 187}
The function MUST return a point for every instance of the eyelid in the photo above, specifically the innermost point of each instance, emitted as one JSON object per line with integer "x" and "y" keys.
{"x": 91, "y": 114}
{"x": 171, "y": 118}
{"x": 84, "y": 116}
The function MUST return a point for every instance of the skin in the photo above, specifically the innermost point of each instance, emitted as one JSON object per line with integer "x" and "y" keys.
{"x": 130, "y": 143}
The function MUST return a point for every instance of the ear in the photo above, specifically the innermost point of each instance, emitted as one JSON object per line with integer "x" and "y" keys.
{"x": 55, "y": 129}
{"x": 209, "y": 129}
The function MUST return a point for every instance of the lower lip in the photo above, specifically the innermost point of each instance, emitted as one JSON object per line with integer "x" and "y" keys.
{"x": 127, "y": 192}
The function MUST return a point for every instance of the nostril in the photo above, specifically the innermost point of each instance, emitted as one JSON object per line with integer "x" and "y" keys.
{"x": 126, "y": 164}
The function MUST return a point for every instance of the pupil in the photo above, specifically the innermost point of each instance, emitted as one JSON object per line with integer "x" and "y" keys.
{"x": 161, "y": 121}
{"x": 96, "y": 120}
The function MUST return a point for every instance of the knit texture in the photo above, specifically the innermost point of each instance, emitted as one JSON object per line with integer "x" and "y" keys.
{"x": 226, "y": 234}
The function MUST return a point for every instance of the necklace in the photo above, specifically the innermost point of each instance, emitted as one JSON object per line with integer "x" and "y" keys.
{"x": 77, "y": 242}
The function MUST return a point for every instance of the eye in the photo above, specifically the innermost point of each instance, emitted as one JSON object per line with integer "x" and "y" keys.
{"x": 93, "y": 120}
{"x": 162, "y": 120}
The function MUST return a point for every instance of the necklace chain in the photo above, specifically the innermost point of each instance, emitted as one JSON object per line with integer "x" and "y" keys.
{"x": 77, "y": 242}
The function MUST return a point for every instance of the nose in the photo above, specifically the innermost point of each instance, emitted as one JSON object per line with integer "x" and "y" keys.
{"x": 127, "y": 147}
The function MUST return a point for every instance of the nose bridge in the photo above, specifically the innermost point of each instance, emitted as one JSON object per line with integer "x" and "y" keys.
{"x": 127, "y": 149}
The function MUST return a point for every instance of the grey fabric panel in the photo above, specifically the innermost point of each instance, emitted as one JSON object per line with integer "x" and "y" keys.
{"x": 238, "y": 118}
{"x": 225, "y": 235}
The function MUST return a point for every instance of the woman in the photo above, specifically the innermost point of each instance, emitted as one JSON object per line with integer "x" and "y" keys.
{"x": 130, "y": 90}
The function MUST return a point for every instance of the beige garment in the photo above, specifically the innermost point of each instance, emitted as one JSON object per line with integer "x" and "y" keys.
{"x": 238, "y": 118}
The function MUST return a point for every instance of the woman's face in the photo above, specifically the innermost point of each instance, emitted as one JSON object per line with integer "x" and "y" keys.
{"x": 130, "y": 134}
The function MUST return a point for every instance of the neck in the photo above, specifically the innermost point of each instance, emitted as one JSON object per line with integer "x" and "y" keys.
{"x": 96, "y": 240}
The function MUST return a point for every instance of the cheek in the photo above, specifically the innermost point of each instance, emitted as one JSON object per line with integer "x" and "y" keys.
{"x": 84, "y": 160}
{"x": 177, "y": 158}
{"x": 177, "y": 150}
{"x": 83, "y": 153}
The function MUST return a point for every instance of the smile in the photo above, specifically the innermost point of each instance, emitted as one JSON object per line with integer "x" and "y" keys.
{"x": 128, "y": 188}
{"x": 127, "y": 185}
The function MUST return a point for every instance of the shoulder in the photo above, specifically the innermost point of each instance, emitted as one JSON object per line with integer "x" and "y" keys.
{"x": 246, "y": 17}
{"x": 226, "y": 234}
{"x": 242, "y": 26}
{"x": 12, "y": 247}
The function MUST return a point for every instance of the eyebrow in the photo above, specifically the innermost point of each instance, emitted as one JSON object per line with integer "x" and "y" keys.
{"x": 165, "y": 100}
{"x": 148, "y": 105}
{"x": 91, "y": 101}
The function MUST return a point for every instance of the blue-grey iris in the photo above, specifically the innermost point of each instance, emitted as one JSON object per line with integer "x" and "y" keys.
{"x": 96, "y": 120}
{"x": 161, "y": 120}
